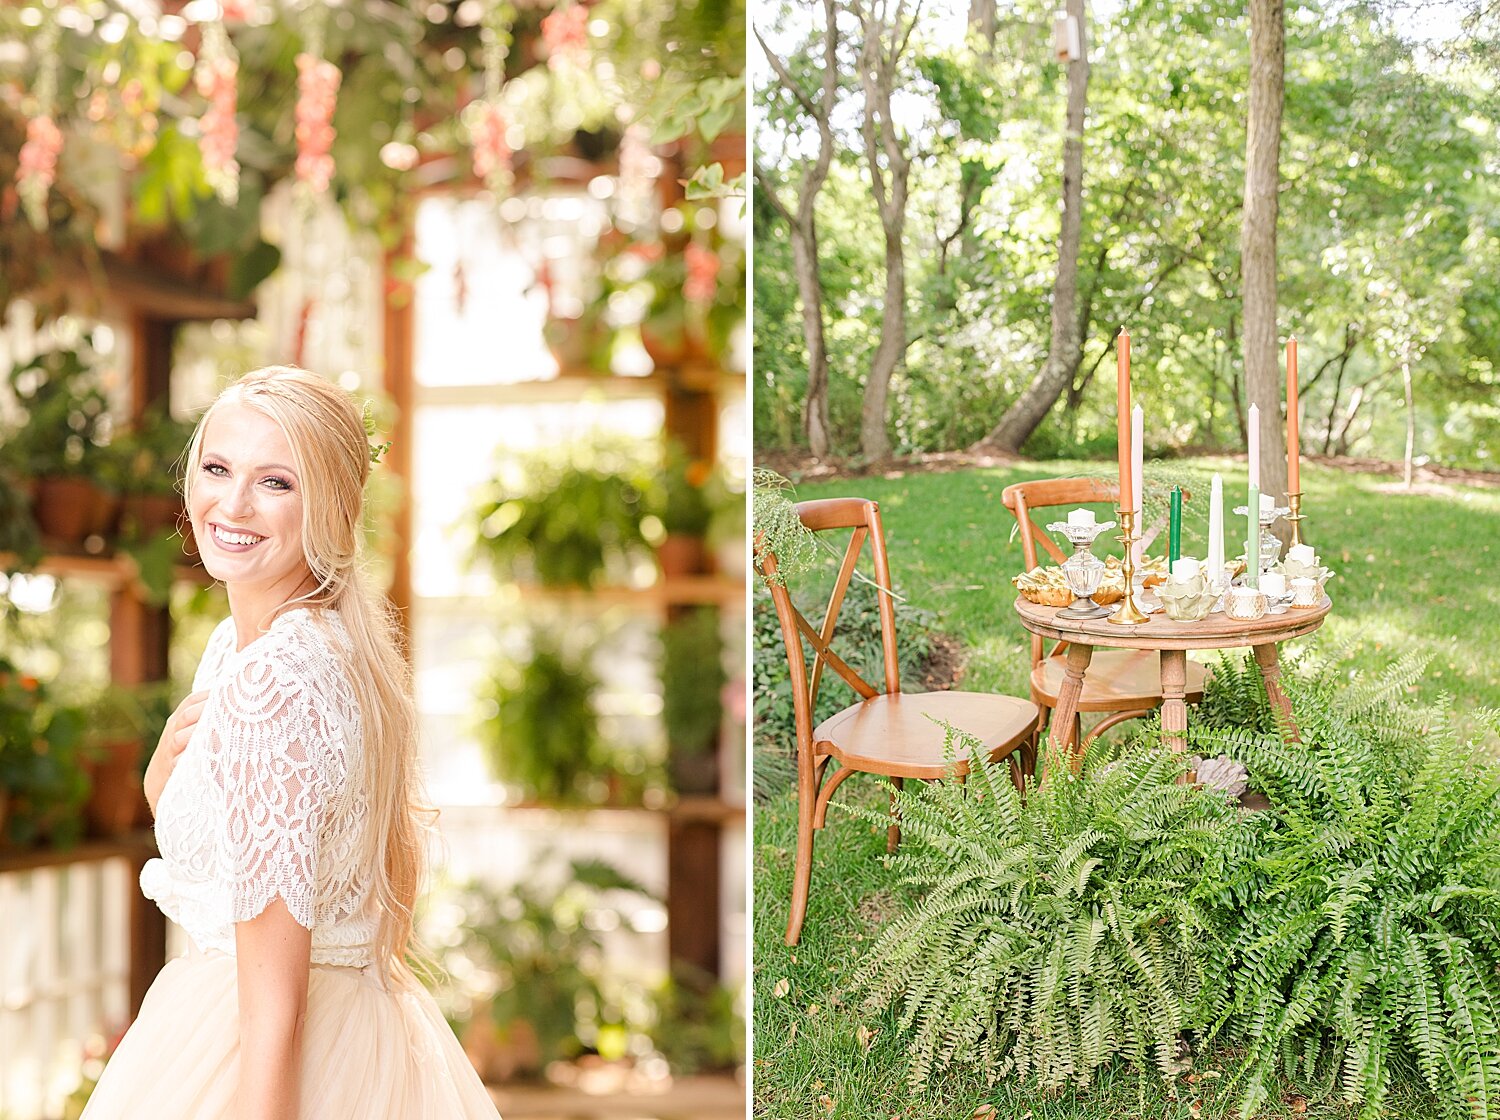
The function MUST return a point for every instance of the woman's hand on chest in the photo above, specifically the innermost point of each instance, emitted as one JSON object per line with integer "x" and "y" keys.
{"x": 174, "y": 738}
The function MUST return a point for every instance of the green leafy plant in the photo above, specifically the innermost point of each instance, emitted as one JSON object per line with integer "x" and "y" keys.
{"x": 778, "y": 530}
{"x": 541, "y": 730}
{"x": 1053, "y": 934}
{"x": 697, "y": 1026}
{"x": 693, "y": 678}
{"x": 144, "y": 459}
{"x": 689, "y": 491}
{"x": 535, "y": 952}
{"x": 572, "y": 522}
{"x": 18, "y": 532}
{"x": 42, "y": 775}
{"x": 66, "y": 415}
{"x": 1364, "y": 922}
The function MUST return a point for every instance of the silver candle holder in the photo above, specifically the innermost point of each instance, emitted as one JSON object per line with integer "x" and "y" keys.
{"x": 1270, "y": 546}
{"x": 1083, "y": 570}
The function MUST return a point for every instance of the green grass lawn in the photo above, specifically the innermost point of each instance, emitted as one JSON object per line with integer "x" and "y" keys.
{"x": 1414, "y": 572}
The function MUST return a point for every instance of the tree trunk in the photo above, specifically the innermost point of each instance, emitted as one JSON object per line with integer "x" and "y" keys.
{"x": 890, "y": 168}
{"x": 1263, "y": 373}
{"x": 1065, "y": 353}
{"x": 810, "y": 290}
{"x": 804, "y": 228}
{"x": 874, "y": 440}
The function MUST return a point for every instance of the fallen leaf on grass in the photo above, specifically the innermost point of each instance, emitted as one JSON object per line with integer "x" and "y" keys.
{"x": 865, "y": 1036}
{"x": 812, "y": 1009}
{"x": 782, "y": 987}
{"x": 1298, "y": 1105}
{"x": 828, "y": 1104}
{"x": 1195, "y": 1109}
{"x": 984, "y": 1112}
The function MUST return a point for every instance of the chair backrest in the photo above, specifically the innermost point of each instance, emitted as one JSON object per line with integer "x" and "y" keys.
{"x": 822, "y": 515}
{"x": 1023, "y": 497}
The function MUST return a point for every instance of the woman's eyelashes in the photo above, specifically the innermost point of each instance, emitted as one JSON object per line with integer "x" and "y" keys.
{"x": 277, "y": 483}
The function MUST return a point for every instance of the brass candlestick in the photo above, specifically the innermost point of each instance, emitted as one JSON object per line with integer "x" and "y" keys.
{"x": 1127, "y": 613}
{"x": 1295, "y": 517}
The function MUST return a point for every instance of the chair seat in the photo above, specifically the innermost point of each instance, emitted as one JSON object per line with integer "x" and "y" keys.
{"x": 1117, "y": 680}
{"x": 897, "y": 734}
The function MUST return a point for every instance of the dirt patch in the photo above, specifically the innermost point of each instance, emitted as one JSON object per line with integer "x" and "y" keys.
{"x": 944, "y": 666}
{"x": 801, "y": 467}
{"x": 877, "y": 908}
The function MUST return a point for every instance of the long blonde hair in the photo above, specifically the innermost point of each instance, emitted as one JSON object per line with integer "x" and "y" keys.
{"x": 325, "y": 427}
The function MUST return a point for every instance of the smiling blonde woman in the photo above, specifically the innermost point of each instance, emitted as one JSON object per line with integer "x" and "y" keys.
{"x": 285, "y": 791}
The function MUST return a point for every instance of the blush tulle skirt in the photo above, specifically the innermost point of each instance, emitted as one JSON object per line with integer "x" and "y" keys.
{"x": 367, "y": 1054}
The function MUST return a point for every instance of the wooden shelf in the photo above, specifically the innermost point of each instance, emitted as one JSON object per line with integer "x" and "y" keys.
{"x": 574, "y": 385}
{"x": 111, "y": 569}
{"x": 686, "y": 591}
{"x": 134, "y": 846}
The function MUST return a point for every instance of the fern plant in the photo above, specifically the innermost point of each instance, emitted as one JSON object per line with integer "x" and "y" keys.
{"x": 1054, "y": 933}
{"x": 1364, "y": 919}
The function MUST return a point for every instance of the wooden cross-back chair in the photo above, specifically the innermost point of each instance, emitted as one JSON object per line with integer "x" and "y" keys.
{"x": 888, "y": 732}
{"x": 1123, "y": 683}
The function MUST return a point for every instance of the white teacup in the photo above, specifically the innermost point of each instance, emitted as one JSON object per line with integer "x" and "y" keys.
{"x": 1245, "y": 604}
{"x": 1306, "y": 592}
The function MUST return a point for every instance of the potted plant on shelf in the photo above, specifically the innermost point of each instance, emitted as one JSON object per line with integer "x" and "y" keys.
{"x": 578, "y": 331}
{"x": 541, "y": 731}
{"x": 692, "y": 683}
{"x": 696, "y": 293}
{"x": 574, "y": 523}
{"x": 685, "y": 503}
{"x": 41, "y": 771}
{"x": 114, "y": 744}
{"x": 59, "y": 444}
{"x": 536, "y": 988}
{"x": 697, "y": 1029}
{"x": 143, "y": 469}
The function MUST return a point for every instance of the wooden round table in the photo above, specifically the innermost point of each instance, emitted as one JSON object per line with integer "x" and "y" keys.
{"x": 1173, "y": 640}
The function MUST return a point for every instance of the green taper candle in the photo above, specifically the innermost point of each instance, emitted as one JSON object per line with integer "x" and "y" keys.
{"x": 1174, "y": 529}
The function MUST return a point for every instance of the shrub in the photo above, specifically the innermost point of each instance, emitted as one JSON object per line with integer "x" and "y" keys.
{"x": 1052, "y": 934}
{"x": 1364, "y": 923}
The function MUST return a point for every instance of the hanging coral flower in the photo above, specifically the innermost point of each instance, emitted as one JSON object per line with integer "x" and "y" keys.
{"x": 702, "y": 273}
{"x": 492, "y": 152}
{"x": 565, "y": 33}
{"x": 38, "y": 168}
{"x": 217, "y": 78}
{"x": 236, "y": 11}
{"x": 317, "y": 91}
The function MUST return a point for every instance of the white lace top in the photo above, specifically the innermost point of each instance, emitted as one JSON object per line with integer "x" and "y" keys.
{"x": 265, "y": 799}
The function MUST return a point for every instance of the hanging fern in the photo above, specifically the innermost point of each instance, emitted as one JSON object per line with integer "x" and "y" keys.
{"x": 1364, "y": 923}
{"x": 1051, "y": 935}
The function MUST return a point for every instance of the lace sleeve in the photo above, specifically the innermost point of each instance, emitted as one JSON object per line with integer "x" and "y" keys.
{"x": 277, "y": 772}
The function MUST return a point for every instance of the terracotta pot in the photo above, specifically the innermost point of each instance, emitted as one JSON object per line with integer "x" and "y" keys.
{"x": 152, "y": 513}
{"x": 680, "y": 555}
{"x": 115, "y": 795}
{"x": 69, "y": 509}
{"x": 686, "y": 349}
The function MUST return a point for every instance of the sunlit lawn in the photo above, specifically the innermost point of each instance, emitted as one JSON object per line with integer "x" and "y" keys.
{"x": 1414, "y": 572}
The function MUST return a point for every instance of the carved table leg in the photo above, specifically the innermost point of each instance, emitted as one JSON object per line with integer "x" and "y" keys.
{"x": 1270, "y": 672}
{"x": 1173, "y": 694}
{"x": 1063, "y": 719}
